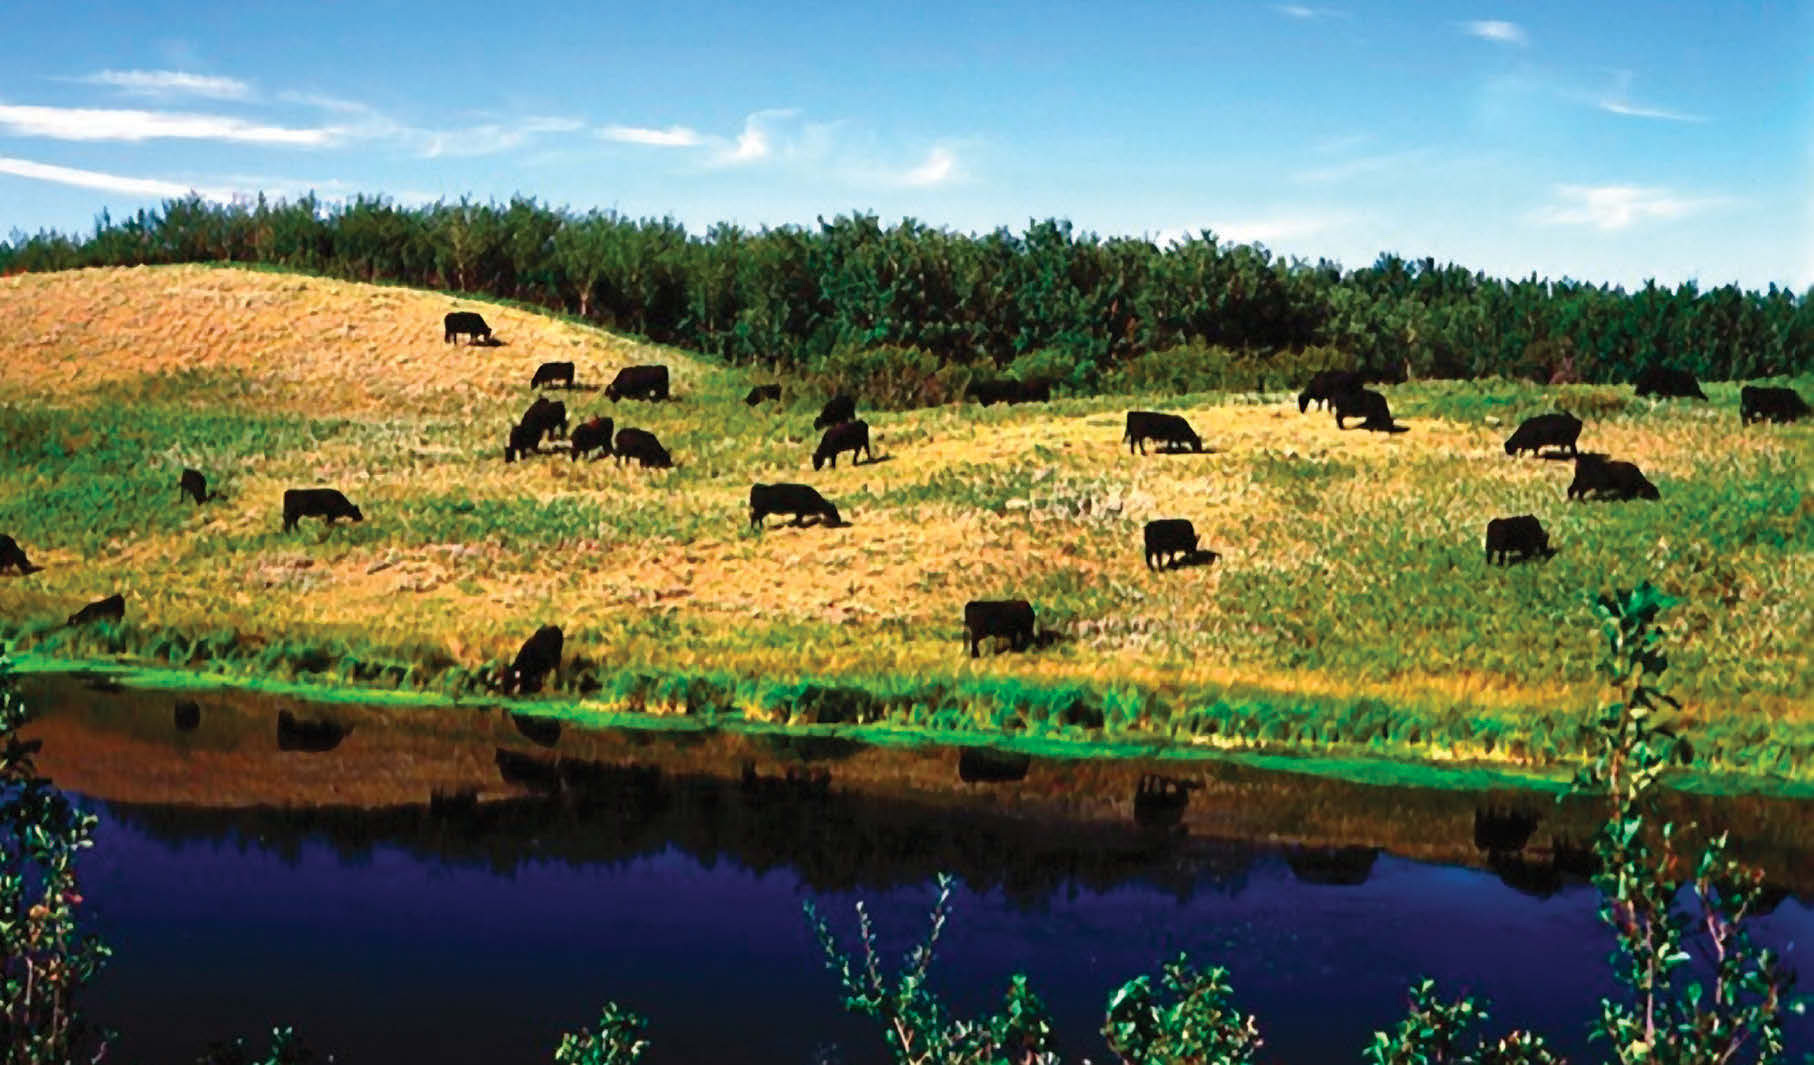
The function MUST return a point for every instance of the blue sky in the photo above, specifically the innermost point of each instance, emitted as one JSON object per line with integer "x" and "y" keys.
{"x": 1605, "y": 141}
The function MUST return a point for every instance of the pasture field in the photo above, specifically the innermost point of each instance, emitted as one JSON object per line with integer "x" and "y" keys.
{"x": 1351, "y": 611}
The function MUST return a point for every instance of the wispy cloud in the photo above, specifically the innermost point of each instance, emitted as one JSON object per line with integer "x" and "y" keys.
{"x": 1496, "y": 30}
{"x": 97, "y": 124}
{"x": 171, "y": 83}
{"x": 95, "y": 179}
{"x": 1305, "y": 13}
{"x": 940, "y": 166}
{"x": 487, "y": 139}
{"x": 1615, "y": 207}
{"x": 672, "y": 137}
{"x": 757, "y": 139}
{"x": 1618, "y": 102}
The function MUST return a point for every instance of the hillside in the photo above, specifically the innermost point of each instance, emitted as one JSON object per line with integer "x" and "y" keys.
{"x": 1351, "y": 602}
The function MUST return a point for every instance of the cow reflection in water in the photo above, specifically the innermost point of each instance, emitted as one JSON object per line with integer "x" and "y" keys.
{"x": 303, "y": 734}
{"x": 1537, "y": 877}
{"x": 1159, "y": 802}
{"x": 981, "y": 765}
{"x": 796, "y": 784}
{"x": 1334, "y": 866}
{"x": 542, "y": 731}
{"x": 636, "y": 789}
{"x": 1501, "y": 831}
{"x": 187, "y": 715}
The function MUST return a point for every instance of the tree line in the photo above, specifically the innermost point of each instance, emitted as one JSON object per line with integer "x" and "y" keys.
{"x": 911, "y": 299}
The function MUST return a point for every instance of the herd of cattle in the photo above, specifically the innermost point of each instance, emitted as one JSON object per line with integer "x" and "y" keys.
{"x": 1170, "y": 543}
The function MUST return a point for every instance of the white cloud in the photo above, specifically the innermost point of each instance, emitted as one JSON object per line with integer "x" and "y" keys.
{"x": 1618, "y": 102}
{"x": 1300, "y": 11}
{"x": 1614, "y": 207}
{"x": 94, "y": 179}
{"x": 672, "y": 137}
{"x": 940, "y": 166}
{"x": 1496, "y": 30}
{"x": 97, "y": 124}
{"x": 170, "y": 83}
{"x": 757, "y": 139}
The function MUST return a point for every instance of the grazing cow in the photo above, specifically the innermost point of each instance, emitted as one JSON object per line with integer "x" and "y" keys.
{"x": 550, "y": 372}
{"x": 1559, "y": 430}
{"x": 193, "y": 484}
{"x": 1759, "y": 404}
{"x": 324, "y": 503}
{"x": 1010, "y": 390}
{"x": 1325, "y": 385}
{"x": 1363, "y": 403}
{"x": 1662, "y": 383}
{"x": 1167, "y": 539}
{"x": 639, "y": 382}
{"x": 539, "y": 656}
{"x": 1011, "y": 619}
{"x": 525, "y": 439}
{"x": 302, "y": 734}
{"x": 801, "y": 500}
{"x": 641, "y": 445}
{"x": 113, "y": 607}
{"x": 1596, "y": 477}
{"x": 839, "y": 408}
{"x": 13, "y": 556}
{"x": 1522, "y": 536}
{"x": 845, "y": 436}
{"x": 762, "y": 392}
{"x": 547, "y": 416}
{"x": 1168, "y": 429}
{"x": 594, "y": 435}
{"x": 466, "y": 323}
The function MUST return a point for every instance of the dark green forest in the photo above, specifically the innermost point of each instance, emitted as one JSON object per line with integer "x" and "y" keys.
{"x": 910, "y": 312}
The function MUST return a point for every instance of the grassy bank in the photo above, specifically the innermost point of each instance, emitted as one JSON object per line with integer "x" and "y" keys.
{"x": 1351, "y": 613}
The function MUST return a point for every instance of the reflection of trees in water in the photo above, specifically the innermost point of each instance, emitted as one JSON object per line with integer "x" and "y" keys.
{"x": 598, "y": 814}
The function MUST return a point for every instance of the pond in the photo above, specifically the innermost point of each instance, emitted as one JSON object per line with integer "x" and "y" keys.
{"x": 463, "y": 885}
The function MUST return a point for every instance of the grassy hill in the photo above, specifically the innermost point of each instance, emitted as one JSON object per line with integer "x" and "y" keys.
{"x": 1351, "y": 608}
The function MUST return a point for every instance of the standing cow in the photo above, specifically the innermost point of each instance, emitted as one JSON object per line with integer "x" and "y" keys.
{"x": 551, "y": 373}
{"x": 1168, "y": 540}
{"x": 540, "y": 655}
{"x": 1662, "y": 383}
{"x": 194, "y": 485}
{"x": 1169, "y": 430}
{"x": 639, "y": 382}
{"x": 641, "y": 445}
{"x": 1363, "y": 403}
{"x": 12, "y": 556}
{"x": 465, "y": 323}
{"x": 594, "y": 435}
{"x": 1597, "y": 478}
{"x": 801, "y": 500}
{"x": 1559, "y": 430}
{"x": 1325, "y": 385}
{"x": 839, "y": 408}
{"x": 324, "y": 503}
{"x": 845, "y": 436}
{"x": 1009, "y": 619}
{"x": 1522, "y": 536}
{"x": 1760, "y": 404}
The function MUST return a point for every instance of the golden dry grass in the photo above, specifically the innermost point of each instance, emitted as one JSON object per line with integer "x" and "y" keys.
{"x": 1350, "y": 560}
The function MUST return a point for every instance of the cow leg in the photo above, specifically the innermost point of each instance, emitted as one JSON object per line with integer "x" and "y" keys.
{"x": 972, "y": 637}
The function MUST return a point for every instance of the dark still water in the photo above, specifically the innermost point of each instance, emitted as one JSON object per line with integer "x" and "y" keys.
{"x": 244, "y": 885}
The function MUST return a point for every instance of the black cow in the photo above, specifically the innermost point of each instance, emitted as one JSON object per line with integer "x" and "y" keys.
{"x": 113, "y": 607}
{"x": 639, "y": 382}
{"x": 547, "y": 416}
{"x": 762, "y": 392}
{"x": 1325, "y": 385}
{"x": 1759, "y": 404}
{"x": 539, "y": 656}
{"x": 839, "y": 408}
{"x": 1011, "y": 619}
{"x": 302, "y": 734}
{"x": 1559, "y": 430}
{"x": 1168, "y": 429}
{"x": 1662, "y": 382}
{"x": 641, "y": 445}
{"x": 1598, "y": 478}
{"x": 1010, "y": 390}
{"x": 845, "y": 436}
{"x": 594, "y": 435}
{"x": 193, "y": 484}
{"x": 324, "y": 503}
{"x": 1167, "y": 539}
{"x": 801, "y": 500}
{"x": 1363, "y": 403}
{"x": 12, "y": 556}
{"x": 525, "y": 439}
{"x": 550, "y": 372}
{"x": 466, "y": 323}
{"x": 1522, "y": 536}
